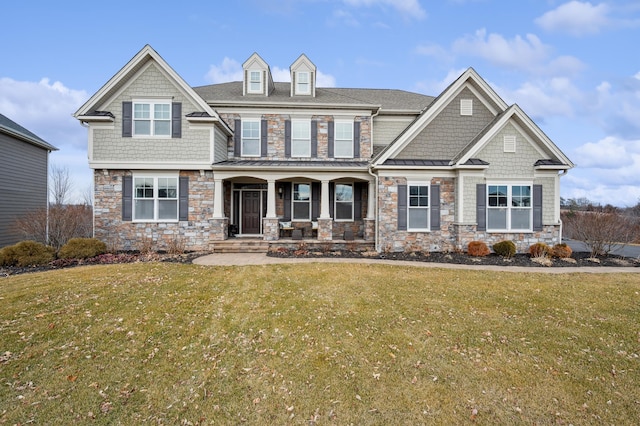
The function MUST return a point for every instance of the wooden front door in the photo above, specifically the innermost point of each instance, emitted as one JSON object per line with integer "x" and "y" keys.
{"x": 251, "y": 212}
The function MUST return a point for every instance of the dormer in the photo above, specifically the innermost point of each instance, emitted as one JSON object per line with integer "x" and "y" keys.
{"x": 257, "y": 77}
{"x": 303, "y": 77}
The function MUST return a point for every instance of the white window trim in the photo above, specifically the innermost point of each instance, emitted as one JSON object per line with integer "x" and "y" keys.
{"x": 151, "y": 103}
{"x": 306, "y": 139}
{"x": 510, "y": 207}
{"x": 260, "y": 81}
{"x": 293, "y": 202}
{"x": 335, "y": 139}
{"x": 428, "y": 208}
{"x": 242, "y": 139}
{"x": 307, "y": 84}
{"x": 155, "y": 177}
{"x": 335, "y": 201}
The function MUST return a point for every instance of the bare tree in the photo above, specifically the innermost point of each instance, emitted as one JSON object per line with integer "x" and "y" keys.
{"x": 60, "y": 184}
{"x": 601, "y": 231}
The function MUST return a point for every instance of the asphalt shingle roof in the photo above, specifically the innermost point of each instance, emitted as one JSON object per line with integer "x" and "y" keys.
{"x": 10, "y": 127}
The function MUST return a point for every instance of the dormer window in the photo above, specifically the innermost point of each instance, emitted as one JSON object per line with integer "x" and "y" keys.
{"x": 303, "y": 84}
{"x": 255, "y": 82}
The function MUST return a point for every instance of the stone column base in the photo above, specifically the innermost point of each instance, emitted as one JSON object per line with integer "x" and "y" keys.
{"x": 369, "y": 229}
{"x": 270, "y": 229}
{"x": 219, "y": 229}
{"x": 325, "y": 229}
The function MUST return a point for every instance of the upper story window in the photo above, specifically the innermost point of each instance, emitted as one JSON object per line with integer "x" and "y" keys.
{"x": 301, "y": 201}
{"x": 418, "y": 207}
{"x": 255, "y": 81}
{"x": 155, "y": 198}
{"x": 250, "y": 138}
{"x": 343, "y": 139}
{"x": 344, "y": 202}
{"x": 303, "y": 83}
{"x": 509, "y": 208}
{"x": 152, "y": 118}
{"x": 301, "y": 138}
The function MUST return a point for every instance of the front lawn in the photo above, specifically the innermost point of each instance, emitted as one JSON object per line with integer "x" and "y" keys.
{"x": 164, "y": 343}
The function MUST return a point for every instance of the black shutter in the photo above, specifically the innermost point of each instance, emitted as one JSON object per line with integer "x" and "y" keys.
{"x": 314, "y": 139}
{"x": 127, "y": 119}
{"x": 481, "y": 206}
{"x": 332, "y": 195}
{"x": 402, "y": 207}
{"x": 237, "y": 138}
{"x": 356, "y": 139}
{"x": 287, "y": 138}
{"x": 287, "y": 201}
{"x": 434, "y": 196}
{"x": 315, "y": 200}
{"x": 263, "y": 137}
{"x": 357, "y": 200}
{"x": 331, "y": 136}
{"x": 537, "y": 207}
{"x": 176, "y": 120}
{"x": 127, "y": 198}
{"x": 183, "y": 203}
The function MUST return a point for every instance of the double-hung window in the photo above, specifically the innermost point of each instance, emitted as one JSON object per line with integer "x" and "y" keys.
{"x": 255, "y": 81}
{"x": 344, "y": 201}
{"x": 509, "y": 208}
{"x": 152, "y": 118}
{"x": 155, "y": 198}
{"x": 418, "y": 207}
{"x": 343, "y": 139}
{"x": 251, "y": 138}
{"x": 301, "y": 201}
{"x": 301, "y": 138}
{"x": 303, "y": 86}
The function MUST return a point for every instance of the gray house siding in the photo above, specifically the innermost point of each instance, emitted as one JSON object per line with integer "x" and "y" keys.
{"x": 23, "y": 173}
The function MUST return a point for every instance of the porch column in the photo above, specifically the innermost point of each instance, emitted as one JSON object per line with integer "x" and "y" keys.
{"x": 218, "y": 199}
{"x": 324, "y": 200}
{"x": 271, "y": 199}
{"x": 371, "y": 204}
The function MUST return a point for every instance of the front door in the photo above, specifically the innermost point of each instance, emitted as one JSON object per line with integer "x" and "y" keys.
{"x": 251, "y": 212}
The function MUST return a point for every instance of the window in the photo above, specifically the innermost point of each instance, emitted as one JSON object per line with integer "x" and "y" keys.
{"x": 301, "y": 138}
{"x": 255, "y": 81}
{"x": 509, "y": 207}
{"x": 343, "y": 139}
{"x": 251, "y": 138}
{"x": 152, "y": 118}
{"x": 301, "y": 201}
{"x": 344, "y": 201}
{"x": 466, "y": 106}
{"x": 418, "y": 207}
{"x": 303, "y": 86}
{"x": 155, "y": 198}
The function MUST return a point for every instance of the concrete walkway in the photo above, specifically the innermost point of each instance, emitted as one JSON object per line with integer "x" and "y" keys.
{"x": 242, "y": 259}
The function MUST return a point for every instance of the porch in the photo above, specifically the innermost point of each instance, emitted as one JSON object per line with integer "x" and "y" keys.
{"x": 258, "y": 245}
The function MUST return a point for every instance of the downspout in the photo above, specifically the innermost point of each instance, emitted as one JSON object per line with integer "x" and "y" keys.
{"x": 564, "y": 172}
{"x": 93, "y": 192}
{"x": 376, "y": 233}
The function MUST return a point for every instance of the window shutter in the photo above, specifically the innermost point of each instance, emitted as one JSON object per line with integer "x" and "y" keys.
{"x": 314, "y": 139}
{"x": 315, "y": 200}
{"x": 287, "y": 201}
{"x": 402, "y": 207}
{"x": 332, "y": 196}
{"x": 237, "y": 138}
{"x": 127, "y": 119}
{"x": 537, "y": 207}
{"x": 357, "y": 200}
{"x": 331, "y": 135}
{"x": 183, "y": 202}
{"x": 127, "y": 198}
{"x": 176, "y": 120}
{"x": 287, "y": 138}
{"x": 356, "y": 139}
{"x": 263, "y": 137}
{"x": 434, "y": 203}
{"x": 481, "y": 206}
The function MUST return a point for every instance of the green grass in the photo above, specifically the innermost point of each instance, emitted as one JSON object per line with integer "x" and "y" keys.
{"x": 318, "y": 344}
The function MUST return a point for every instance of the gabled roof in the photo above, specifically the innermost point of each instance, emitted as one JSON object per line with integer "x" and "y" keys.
{"x": 13, "y": 129}
{"x": 90, "y": 109}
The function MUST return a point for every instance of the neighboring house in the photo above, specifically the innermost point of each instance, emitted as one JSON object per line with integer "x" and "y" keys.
{"x": 194, "y": 165}
{"x": 24, "y": 160}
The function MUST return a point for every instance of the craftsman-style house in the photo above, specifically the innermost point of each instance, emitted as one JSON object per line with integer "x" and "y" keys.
{"x": 272, "y": 160}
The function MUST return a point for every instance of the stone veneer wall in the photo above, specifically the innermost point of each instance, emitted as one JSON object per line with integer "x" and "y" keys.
{"x": 193, "y": 234}
{"x": 550, "y": 235}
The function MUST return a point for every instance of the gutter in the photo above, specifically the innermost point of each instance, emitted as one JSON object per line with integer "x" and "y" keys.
{"x": 376, "y": 239}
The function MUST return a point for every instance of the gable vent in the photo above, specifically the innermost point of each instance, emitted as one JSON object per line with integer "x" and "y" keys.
{"x": 509, "y": 143}
{"x": 466, "y": 106}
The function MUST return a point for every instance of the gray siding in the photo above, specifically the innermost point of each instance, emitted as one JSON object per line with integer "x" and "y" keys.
{"x": 23, "y": 173}
{"x": 220, "y": 146}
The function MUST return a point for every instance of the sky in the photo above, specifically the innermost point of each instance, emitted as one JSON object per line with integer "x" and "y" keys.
{"x": 572, "y": 66}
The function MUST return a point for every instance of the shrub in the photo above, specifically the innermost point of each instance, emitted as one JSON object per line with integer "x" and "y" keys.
{"x": 601, "y": 231}
{"x": 540, "y": 250}
{"x": 506, "y": 248}
{"x": 478, "y": 248}
{"x": 82, "y": 248}
{"x": 562, "y": 251}
{"x": 27, "y": 253}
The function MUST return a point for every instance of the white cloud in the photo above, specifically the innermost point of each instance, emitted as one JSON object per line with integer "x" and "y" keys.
{"x": 576, "y": 18}
{"x": 229, "y": 70}
{"x": 608, "y": 153}
{"x": 407, "y": 8}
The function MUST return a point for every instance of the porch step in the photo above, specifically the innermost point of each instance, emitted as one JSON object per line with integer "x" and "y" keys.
{"x": 241, "y": 245}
